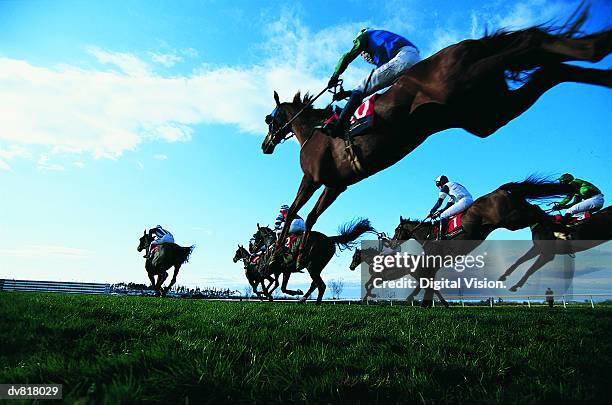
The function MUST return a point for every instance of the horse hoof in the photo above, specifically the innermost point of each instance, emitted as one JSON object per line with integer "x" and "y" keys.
{"x": 300, "y": 292}
{"x": 302, "y": 301}
{"x": 502, "y": 278}
{"x": 514, "y": 288}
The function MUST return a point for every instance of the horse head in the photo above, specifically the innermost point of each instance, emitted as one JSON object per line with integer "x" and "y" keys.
{"x": 240, "y": 254}
{"x": 404, "y": 231}
{"x": 356, "y": 259}
{"x": 277, "y": 128}
{"x": 145, "y": 241}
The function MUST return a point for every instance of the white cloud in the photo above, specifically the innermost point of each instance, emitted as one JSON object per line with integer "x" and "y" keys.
{"x": 11, "y": 153}
{"x": 44, "y": 163}
{"x": 104, "y": 112}
{"x": 160, "y": 157}
{"x": 78, "y": 164}
{"x": 167, "y": 60}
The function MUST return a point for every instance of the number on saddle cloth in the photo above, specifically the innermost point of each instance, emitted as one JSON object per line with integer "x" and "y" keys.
{"x": 452, "y": 227}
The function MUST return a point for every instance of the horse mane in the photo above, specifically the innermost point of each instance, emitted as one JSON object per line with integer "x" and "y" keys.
{"x": 316, "y": 114}
{"x": 409, "y": 220}
{"x": 536, "y": 187}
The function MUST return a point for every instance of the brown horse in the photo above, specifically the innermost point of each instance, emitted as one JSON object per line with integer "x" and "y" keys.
{"x": 253, "y": 276}
{"x": 506, "y": 207}
{"x": 166, "y": 256}
{"x": 461, "y": 86}
{"x": 586, "y": 235}
{"x": 389, "y": 273}
{"x": 318, "y": 252}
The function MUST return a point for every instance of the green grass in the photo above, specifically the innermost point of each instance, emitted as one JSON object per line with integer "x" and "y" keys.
{"x": 124, "y": 349}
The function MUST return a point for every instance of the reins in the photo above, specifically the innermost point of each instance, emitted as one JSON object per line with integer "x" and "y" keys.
{"x": 310, "y": 103}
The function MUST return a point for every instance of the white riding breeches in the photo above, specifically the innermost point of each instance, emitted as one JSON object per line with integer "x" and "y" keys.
{"x": 590, "y": 204}
{"x": 167, "y": 238}
{"x": 457, "y": 207}
{"x": 385, "y": 75}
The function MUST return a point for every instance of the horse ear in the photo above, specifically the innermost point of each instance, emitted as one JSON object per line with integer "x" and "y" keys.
{"x": 258, "y": 226}
{"x": 276, "y": 98}
{"x": 401, "y": 219}
{"x": 144, "y": 232}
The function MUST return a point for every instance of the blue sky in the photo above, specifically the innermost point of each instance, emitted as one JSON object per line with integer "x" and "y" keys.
{"x": 118, "y": 116}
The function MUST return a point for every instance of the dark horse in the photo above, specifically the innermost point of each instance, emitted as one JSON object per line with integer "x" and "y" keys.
{"x": 389, "y": 273}
{"x": 461, "y": 86}
{"x": 252, "y": 274}
{"x": 158, "y": 264}
{"x": 592, "y": 232}
{"x": 317, "y": 252}
{"x": 507, "y": 207}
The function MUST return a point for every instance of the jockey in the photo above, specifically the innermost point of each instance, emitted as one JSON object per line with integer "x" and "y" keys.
{"x": 160, "y": 235}
{"x": 460, "y": 199}
{"x": 586, "y": 197}
{"x": 390, "y": 53}
{"x": 297, "y": 225}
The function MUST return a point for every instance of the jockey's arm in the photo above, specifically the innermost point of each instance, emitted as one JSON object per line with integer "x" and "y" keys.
{"x": 358, "y": 45}
{"x": 441, "y": 197}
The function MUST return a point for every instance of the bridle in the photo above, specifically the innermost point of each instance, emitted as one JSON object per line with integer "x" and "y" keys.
{"x": 283, "y": 133}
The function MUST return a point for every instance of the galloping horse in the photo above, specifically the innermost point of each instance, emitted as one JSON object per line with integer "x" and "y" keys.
{"x": 506, "y": 207}
{"x": 592, "y": 232}
{"x": 389, "y": 273}
{"x": 253, "y": 276}
{"x": 158, "y": 263}
{"x": 461, "y": 86}
{"x": 318, "y": 251}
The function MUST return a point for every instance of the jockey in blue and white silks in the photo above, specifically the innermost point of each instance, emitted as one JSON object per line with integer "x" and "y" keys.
{"x": 392, "y": 55}
{"x": 297, "y": 225}
{"x": 160, "y": 235}
{"x": 460, "y": 198}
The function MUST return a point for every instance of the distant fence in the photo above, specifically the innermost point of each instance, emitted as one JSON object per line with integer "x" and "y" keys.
{"x": 67, "y": 287}
{"x": 526, "y": 300}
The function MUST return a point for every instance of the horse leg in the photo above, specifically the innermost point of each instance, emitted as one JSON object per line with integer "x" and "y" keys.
{"x": 152, "y": 279}
{"x": 413, "y": 294}
{"x": 286, "y": 275}
{"x": 541, "y": 261}
{"x": 441, "y": 298}
{"x": 504, "y": 107}
{"x": 173, "y": 281}
{"x": 531, "y": 253}
{"x": 328, "y": 196}
{"x": 428, "y": 298}
{"x": 307, "y": 188}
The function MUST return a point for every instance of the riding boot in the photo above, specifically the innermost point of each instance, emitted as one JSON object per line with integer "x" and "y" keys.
{"x": 146, "y": 255}
{"x": 339, "y": 127}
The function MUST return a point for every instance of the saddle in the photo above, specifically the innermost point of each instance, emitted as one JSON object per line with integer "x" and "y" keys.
{"x": 576, "y": 219}
{"x": 574, "y": 222}
{"x": 452, "y": 227}
{"x": 362, "y": 119}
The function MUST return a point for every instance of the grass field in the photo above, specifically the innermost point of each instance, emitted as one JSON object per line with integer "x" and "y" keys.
{"x": 126, "y": 349}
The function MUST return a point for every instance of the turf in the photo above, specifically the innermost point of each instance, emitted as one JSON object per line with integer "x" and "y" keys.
{"x": 130, "y": 349}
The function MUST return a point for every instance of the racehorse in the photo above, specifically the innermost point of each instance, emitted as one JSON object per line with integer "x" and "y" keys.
{"x": 507, "y": 207}
{"x": 462, "y": 86}
{"x": 317, "y": 253}
{"x": 159, "y": 262}
{"x": 253, "y": 276}
{"x": 389, "y": 273}
{"x": 590, "y": 233}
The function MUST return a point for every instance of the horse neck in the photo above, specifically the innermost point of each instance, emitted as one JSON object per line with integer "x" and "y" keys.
{"x": 303, "y": 125}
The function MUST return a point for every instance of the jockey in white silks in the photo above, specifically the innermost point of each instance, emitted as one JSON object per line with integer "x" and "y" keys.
{"x": 160, "y": 235}
{"x": 297, "y": 225}
{"x": 460, "y": 198}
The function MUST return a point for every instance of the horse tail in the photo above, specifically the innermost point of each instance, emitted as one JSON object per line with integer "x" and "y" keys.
{"x": 536, "y": 188}
{"x": 186, "y": 251}
{"x": 350, "y": 231}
